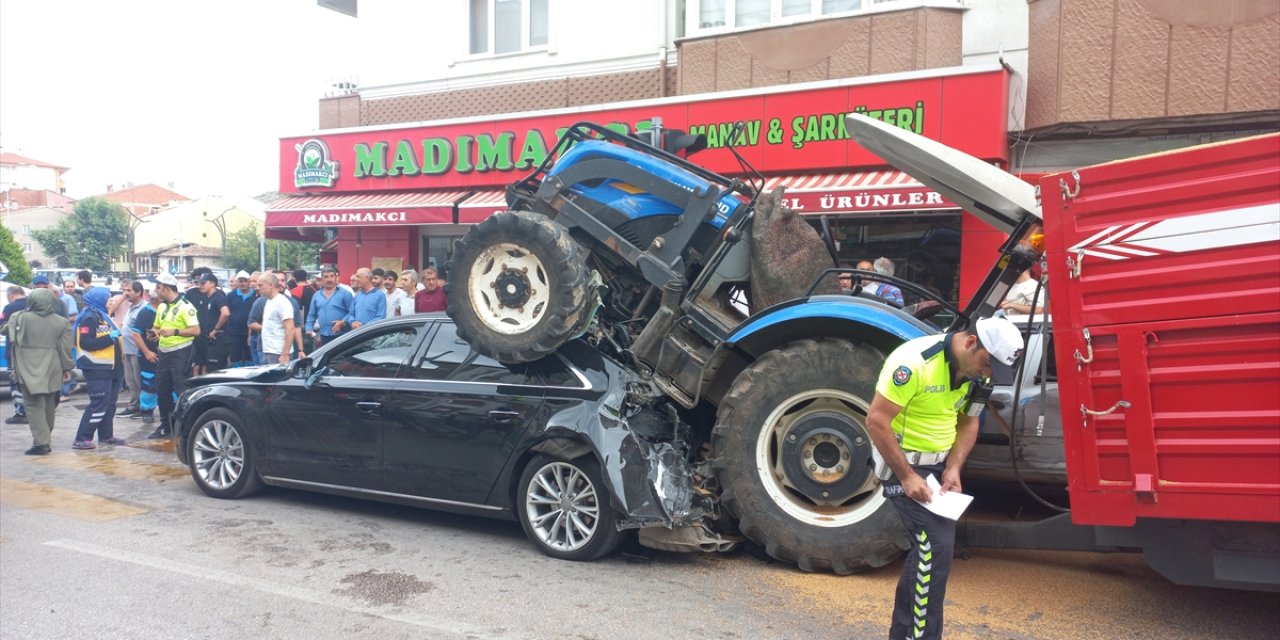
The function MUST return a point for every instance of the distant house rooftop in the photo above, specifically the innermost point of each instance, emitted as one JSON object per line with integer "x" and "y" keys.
{"x": 15, "y": 159}
{"x": 143, "y": 194}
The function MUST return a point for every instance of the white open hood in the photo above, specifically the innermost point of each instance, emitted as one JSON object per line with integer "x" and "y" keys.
{"x": 995, "y": 196}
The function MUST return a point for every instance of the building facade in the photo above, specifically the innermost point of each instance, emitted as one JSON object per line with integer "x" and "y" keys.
{"x": 20, "y": 172}
{"x": 1111, "y": 79}
{"x": 1025, "y": 85}
{"x": 188, "y": 234}
{"x": 24, "y": 222}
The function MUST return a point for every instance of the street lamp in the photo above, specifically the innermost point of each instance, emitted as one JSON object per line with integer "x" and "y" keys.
{"x": 221, "y": 225}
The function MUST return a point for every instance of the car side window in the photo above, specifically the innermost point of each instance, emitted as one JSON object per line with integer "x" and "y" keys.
{"x": 377, "y": 356}
{"x": 451, "y": 358}
{"x": 1051, "y": 363}
{"x": 552, "y": 372}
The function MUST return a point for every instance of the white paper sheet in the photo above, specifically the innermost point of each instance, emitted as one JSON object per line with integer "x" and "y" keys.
{"x": 948, "y": 505}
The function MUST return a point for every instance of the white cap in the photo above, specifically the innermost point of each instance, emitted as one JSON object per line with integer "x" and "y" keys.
{"x": 166, "y": 278}
{"x": 242, "y": 274}
{"x": 1003, "y": 341}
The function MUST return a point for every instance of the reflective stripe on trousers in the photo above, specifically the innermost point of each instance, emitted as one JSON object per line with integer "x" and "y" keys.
{"x": 103, "y": 386}
{"x": 917, "y": 607}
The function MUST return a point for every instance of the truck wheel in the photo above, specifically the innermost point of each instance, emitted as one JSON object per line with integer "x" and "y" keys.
{"x": 518, "y": 287}
{"x": 794, "y": 459}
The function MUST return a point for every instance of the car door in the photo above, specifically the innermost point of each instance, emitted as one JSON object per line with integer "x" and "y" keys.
{"x": 454, "y": 420}
{"x": 329, "y": 430}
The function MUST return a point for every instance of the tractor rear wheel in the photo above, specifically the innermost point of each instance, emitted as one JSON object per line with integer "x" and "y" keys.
{"x": 793, "y": 458}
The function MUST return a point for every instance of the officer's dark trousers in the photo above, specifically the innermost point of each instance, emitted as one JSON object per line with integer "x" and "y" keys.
{"x": 147, "y": 380}
{"x": 172, "y": 371}
{"x": 917, "y": 606}
{"x": 103, "y": 386}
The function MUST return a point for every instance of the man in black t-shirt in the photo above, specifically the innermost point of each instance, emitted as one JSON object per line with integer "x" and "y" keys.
{"x": 212, "y": 312}
{"x": 240, "y": 301}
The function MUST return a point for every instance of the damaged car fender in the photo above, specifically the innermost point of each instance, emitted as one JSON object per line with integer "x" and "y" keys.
{"x": 636, "y": 436}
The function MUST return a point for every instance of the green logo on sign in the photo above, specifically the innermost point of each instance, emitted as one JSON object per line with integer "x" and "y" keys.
{"x": 314, "y": 169}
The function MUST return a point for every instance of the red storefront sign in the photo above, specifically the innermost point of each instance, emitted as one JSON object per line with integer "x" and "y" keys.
{"x": 349, "y": 210}
{"x": 863, "y": 192}
{"x": 787, "y": 130}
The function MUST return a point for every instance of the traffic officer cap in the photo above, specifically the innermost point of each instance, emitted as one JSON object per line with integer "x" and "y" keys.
{"x": 1003, "y": 341}
{"x": 166, "y": 279}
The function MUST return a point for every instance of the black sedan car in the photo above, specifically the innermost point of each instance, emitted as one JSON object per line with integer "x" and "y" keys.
{"x": 575, "y": 446}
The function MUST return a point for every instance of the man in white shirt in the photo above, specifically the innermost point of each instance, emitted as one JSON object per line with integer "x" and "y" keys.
{"x": 395, "y": 293}
{"x": 277, "y": 320}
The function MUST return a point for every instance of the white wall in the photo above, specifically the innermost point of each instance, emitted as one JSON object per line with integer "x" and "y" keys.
{"x": 26, "y": 176}
{"x": 191, "y": 222}
{"x": 997, "y": 30}
{"x": 415, "y": 47}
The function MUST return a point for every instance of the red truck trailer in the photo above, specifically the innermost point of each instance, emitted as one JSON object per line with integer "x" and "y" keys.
{"x": 1165, "y": 273}
{"x": 1164, "y": 280}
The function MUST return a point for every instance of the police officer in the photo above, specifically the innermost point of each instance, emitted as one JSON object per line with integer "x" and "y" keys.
{"x": 919, "y": 428}
{"x": 175, "y": 328}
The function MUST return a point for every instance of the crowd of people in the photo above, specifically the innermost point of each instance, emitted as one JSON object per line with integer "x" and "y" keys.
{"x": 882, "y": 266}
{"x": 145, "y": 343}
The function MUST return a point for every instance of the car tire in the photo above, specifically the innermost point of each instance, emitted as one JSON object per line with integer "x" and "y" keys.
{"x": 793, "y": 458}
{"x": 222, "y": 460}
{"x": 518, "y": 287}
{"x": 589, "y": 531}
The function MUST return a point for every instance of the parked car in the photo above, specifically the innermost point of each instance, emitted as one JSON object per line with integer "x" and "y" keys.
{"x": 1036, "y": 430}
{"x": 574, "y": 446}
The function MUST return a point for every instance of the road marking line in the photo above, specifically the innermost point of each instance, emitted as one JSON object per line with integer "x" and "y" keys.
{"x": 423, "y": 619}
{"x": 113, "y": 466}
{"x": 63, "y": 502}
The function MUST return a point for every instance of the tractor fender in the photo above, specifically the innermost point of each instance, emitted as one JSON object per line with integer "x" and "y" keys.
{"x": 833, "y": 310}
{"x": 825, "y": 316}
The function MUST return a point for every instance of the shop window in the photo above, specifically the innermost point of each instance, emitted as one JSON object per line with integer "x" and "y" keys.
{"x": 436, "y": 251}
{"x": 509, "y": 26}
{"x": 925, "y": 249}
{"x": 720, "y": 15}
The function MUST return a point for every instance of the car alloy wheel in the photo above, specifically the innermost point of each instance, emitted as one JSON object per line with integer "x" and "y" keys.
{"x": 563, "y": 507}
{"x": 218, "y": 454}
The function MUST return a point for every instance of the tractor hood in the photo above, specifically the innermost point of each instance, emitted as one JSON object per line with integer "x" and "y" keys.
{"x": 996, "y": 196}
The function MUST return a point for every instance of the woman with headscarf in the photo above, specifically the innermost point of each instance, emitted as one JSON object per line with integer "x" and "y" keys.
{"x": 98, "y": 342}
{"x": 39, "y": 340}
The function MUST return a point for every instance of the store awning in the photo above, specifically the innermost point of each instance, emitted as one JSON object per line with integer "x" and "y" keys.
{"x": 295, "y": 234}
{"x": 381, "y": 209}
{"x": 860, "y": 192}
{"x": 481, "y": 205}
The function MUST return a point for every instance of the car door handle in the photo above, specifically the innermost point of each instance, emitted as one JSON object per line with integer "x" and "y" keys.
{"x": 368, "y": 407}
{"x": 504, "y": 416}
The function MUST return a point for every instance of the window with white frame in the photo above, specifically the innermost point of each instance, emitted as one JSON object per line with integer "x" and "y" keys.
{"x": 26, "y": 229}
{"x": 721, "y": 15}
{"x": 508, "y": 26}
{"x": 27, "y": 247}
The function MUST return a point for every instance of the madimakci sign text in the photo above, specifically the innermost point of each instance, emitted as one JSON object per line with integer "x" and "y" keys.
{"x": 783, "y": 132}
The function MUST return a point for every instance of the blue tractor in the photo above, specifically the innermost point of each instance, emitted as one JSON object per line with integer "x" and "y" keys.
{"x": 727, "y": 303}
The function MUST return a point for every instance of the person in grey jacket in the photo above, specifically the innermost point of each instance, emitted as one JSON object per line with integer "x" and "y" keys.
{"x": 39, "y": 339}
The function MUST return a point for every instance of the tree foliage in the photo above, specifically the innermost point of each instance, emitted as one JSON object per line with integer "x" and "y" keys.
{"x": 11, "y": 256}
{"x": 242, "y": 252}
{"x": 92, "y": 237}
